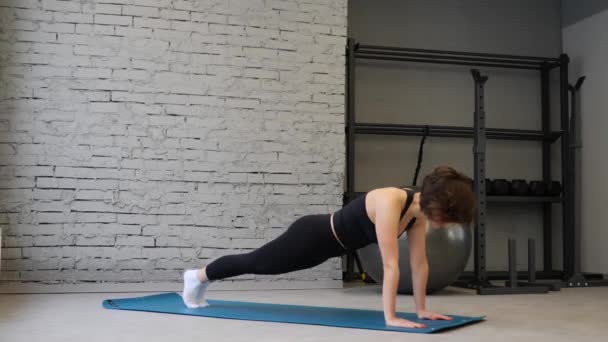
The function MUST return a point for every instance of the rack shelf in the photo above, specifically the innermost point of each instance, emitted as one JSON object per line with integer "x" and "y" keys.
{"x": 454, "y": 132}
{"x": 524, "y": 199}
{"x": 454, "y": 57}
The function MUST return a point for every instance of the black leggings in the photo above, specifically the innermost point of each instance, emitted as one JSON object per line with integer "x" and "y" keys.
{"x": 308, "y": 242}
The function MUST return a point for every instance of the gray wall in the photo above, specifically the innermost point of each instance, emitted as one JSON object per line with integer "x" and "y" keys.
{"x": 585, "y": 42}
{"x": 443, "y": 95}
{"x": 574, "y": 11}
{"x": 142, "y": 137}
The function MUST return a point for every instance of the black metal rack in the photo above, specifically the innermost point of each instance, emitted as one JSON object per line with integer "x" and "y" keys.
{"x": 480, "y": 277}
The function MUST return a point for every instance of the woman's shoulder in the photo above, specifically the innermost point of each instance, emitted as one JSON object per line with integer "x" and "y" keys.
{"x": 387, "y": 193}
{"x": 396, "y": 193}
{"x": 394, "y": 190}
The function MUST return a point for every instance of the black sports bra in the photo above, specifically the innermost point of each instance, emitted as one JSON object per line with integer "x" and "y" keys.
{"x": 355, "y": 229}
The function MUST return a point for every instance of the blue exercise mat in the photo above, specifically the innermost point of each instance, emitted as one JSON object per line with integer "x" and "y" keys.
{"x": 336, "y": 317}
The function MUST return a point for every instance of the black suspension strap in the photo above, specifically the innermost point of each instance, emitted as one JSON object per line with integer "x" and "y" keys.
{"x": 420, "y": 153}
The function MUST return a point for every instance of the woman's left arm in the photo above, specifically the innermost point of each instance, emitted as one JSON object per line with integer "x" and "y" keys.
{"x": 416, "y": 239}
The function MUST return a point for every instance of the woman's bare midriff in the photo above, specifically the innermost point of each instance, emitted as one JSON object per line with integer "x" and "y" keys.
{"x": 333, "y": 230}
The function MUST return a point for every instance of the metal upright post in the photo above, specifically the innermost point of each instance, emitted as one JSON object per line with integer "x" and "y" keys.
{"x": 531, "y": 261}
{"x": 546, "y": 126}
{"x": 349, "y": 127}
{"x": 479, "y": 154}
{"x": 512, "y": 252}
{"x": 575, "y": 144}
{"x": 350, "y": 119}
{"x": 567, "y": 211}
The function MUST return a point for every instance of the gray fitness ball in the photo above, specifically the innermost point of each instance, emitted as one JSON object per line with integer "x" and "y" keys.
{"x": 447, "y": 250}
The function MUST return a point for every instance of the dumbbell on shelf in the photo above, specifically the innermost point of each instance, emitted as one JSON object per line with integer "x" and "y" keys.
{"x": 521, "y": 187}
{"x": 500, "y": 187}
{"x": 538, "y": 188}
{"x": 518, "y": 187}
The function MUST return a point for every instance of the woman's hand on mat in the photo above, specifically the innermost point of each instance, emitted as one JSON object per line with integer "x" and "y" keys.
{"x": 403, "y": 323}
{"x": 423, "y": 314}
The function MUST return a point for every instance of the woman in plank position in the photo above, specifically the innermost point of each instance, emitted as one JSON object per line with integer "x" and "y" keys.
{"x": 380, "y": 216}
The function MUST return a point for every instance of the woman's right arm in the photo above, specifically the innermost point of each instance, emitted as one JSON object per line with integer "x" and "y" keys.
{"x": 387, "y": 212}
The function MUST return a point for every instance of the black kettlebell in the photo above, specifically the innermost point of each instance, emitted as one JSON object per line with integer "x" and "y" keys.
{"x": 518, "y": 187}
{"x": 500, "y": 187}
{"x": 538, "y": 188}
{"x": 554, "y": 188}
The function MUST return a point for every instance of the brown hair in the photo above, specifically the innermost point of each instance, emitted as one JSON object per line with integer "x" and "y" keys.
{"x": 447, "y": 196}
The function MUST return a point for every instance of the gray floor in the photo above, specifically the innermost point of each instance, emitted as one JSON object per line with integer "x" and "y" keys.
{"x": 570, "y": 315}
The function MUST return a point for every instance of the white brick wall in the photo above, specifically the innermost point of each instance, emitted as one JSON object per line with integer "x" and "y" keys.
{"x": 142, "y": 137}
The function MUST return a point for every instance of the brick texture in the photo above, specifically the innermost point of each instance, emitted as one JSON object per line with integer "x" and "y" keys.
{"x": 142, "y": 137}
